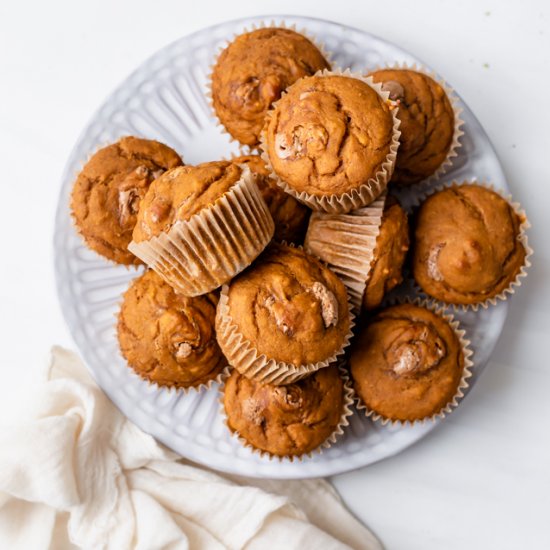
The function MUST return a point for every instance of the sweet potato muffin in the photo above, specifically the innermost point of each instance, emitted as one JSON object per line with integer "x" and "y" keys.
{"x": 198, "y": 226}
{"x": 181, "y": 193}
{"x": 290, "y": 420}
{"x": 406, "y": 363}
{"x": 290, "y": 216}
{"x": 253, "y": 71}
{"x": 467, "y": 247}
{"x": 427, "y": 122}
{"x": 108, "y": 191}
{"x": 288, "y": 309}
{"x": 392, "y": 245}
{"x": 329, "y": 136}
{"x": 167, "y": 338}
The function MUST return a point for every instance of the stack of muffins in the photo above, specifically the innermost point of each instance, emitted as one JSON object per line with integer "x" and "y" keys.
{"x": 267, "y": 272}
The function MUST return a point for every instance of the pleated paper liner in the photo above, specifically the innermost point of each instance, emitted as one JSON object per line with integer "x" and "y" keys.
{"x": 522, "y": 237}
{"x": 462, "y": 385}
{"x": 458, "y": 122}
{"x": 364, "y": 194}
{"x": 201, "y": 254}
{"x": 346, "y": 242}
{"x": 246, "y": 149}
{"x": 347, "y": 412}
{"x": 243, "y": 356}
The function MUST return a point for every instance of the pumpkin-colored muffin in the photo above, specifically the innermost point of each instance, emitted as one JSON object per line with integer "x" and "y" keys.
{"x": 389, "y": 255}
{"x": 107, "y": 193}
{"x": 252, "y": 72}
{"x": 289, "y": 311}
{"x": 427, "y": 122}
{"x": 167, "y": 338}
{"x": 407, "y": 363}
{"x": 467, "y": 245}
{"x": 285, "y": 421}
{"x": 290, "y": 216}
{"x": 331, "y": 141}
{"x": 198, "y": 226}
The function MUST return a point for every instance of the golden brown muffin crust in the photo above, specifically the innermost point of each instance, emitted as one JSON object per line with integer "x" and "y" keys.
{"x": 168, "y": 338}
{"x": 290, "y": 216}
{"x": 108, "y": 191}
{"x": 329, "y": 135}
{"x": 427, "y": 122}
{"x": 286, "y": 420}
{"x": 252, "y": 72}
{"x": 181, "y": 193}
{"x": 407, "y": 363}
{"x": 466, "y": 246}
{"x": 290, "y": 307}
{"x": 392, "y": 244}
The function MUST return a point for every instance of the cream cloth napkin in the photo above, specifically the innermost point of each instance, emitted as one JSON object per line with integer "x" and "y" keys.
{"x": 76, "y": 473}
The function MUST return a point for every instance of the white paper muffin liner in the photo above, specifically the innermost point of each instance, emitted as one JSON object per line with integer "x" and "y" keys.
{"x": 247, "y": 149}
{"x": 362, "y": 195}
{"x": 458, "y": 122}
{"x": 462, "y": 385}
{"x": 346, "y": 242}
{"x": 244, "y": 357}
{"x": 522, "y": 237}
{"x": 347, "y": 412}
{"x": 202, "y": 253}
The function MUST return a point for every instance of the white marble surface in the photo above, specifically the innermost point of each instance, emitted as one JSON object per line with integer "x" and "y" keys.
{"x": 480, "y": 481}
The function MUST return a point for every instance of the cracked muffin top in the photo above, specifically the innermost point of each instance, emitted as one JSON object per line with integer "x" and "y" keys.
{"x": 392, "y": 245}
{"x": 427, "y": 122}
{"x": 107, "y": 193}
{"x": 290, "y": 307}
{"x": 406, "y": 363}
{"x": 166, "y": 337}
{"x": 329, "y": 135}
{"x": 181, "y": 193}
{"x": 466, "y": 246}
{"x": 252, "y": 72}
{"x": 290, "y": 216}
{"x": 289, "y": 420}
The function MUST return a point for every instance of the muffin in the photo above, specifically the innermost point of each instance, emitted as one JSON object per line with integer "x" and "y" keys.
{"x": 290, "y": 216}
{"x": 408, "y": 364}
{"x": 391, "y": 249}
{"x": 286, "y": 421}
{"x": 469, "y": 245}
{"x": 252, "y": 72}
{"x": 167, "y": 338}
{"x": 284, "y": 317}
{"x": 331, "y": 140}
{"x": 108, "y": 191}
{"x": 198, "y": 226}
{"x": 427, "y": 122}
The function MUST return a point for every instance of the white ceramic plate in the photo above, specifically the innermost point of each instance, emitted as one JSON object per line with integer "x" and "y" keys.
{"x": 165, "y": 99}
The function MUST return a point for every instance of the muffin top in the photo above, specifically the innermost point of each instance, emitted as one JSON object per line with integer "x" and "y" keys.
{"x": 466, "y": 246}
{"x": 107, "y": 193}
{"x": 427, "y": 122}
{"x": 392, "y": 245}
{"x": 290, "y": 307}
{"x": 252, "y": 72}
{"x": 181, "y": 193}
{"x": 406, "y": 363}
{"x": 166, "y": 337}
{"x": 289, "y": 420}
{"x": 290, "y": 216}
{"x": 329, "y": 135}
